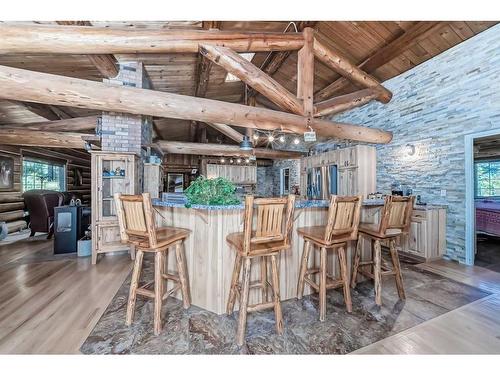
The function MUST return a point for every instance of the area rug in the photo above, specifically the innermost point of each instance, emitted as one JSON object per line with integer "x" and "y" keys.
{"x": 197, "y": 331}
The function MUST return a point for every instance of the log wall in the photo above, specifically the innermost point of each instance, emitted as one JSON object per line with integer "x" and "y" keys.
{"x": 11, "y": 201}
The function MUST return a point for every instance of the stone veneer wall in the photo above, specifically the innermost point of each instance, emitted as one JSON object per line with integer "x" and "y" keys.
{"x": 121, "y": 131}
{"x": 434, "y": 106}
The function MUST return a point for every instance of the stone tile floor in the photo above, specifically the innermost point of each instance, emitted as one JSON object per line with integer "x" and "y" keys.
{"x": 197, "y": 331}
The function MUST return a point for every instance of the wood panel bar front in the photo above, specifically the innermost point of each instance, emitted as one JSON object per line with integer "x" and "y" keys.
{"x": 210, "y": 259}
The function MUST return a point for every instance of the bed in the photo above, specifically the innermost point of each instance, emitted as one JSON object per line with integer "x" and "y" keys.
{"x": 488, "y": 217}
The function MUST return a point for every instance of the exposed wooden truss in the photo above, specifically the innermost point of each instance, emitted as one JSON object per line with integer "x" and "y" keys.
{"x": 305, "y": 73}
{"x": 276, "y": 59}
{"x": 45, "y": 88}
{"x": 412, "y": 36}
{"x": 345, "y": 102}
{"x": 23, "y": 137}
{"x": 74, "y": 124}
{"x": 56, "y": 39}
{"x": 344, "y": 67}
{"x": 252, "y": 76}
{"x": 228, "y": 131}
{"x": 106, "y": 64}
{"x": 212, "y": 149}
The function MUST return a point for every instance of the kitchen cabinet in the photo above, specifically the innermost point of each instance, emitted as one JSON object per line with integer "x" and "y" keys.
{"x": 239, "y": 175}
{"x": 356, "y": 169}
{"x": 153, "y": 179}
{"x": 112, "y": 173}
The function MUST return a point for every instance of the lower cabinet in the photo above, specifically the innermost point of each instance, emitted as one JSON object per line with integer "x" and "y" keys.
{"x": 234, "y": 173}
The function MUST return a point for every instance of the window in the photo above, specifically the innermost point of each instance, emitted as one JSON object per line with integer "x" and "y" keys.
{"x": 39, "y": 174}
{"x": 487, "y": 178}
{"x": 285, "y": 181}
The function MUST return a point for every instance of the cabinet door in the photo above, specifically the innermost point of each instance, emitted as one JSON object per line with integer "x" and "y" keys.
{"x": 352, "y": 184}
{"x": 108, "y": 238}
{"x": 343, "y": 186}
{"x": 115, "y": 174}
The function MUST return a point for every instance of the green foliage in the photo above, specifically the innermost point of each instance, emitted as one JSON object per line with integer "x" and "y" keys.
{"x": 215, "y": 191}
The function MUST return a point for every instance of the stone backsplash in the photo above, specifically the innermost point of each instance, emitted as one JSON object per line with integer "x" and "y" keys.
{"x": 434, "y": 106}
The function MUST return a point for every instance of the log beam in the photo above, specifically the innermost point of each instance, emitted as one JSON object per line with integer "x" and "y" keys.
{"x": 345, "y": 102}
{"x": 46, "y": 88}
{"x": 344, "y": 67}
{"x": 74, "y": 124}
{"x": 227, "y": 131}
{"x": 305, "y": 73}
{"x": 276, "y": 59}
{"x": 212, "y": 149}
{"x": 252, "y": 76}
{"x": 416, "y": 33}
{"x": 62, "y": 39}
{"x": 22, "y": 137}
{"x": 106, "y": 64}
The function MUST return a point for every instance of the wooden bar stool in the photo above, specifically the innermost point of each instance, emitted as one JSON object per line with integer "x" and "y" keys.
{"x": 394, "y": 222}
{"x": 271, "y": 235}
{"x": 341, "y": 227}
{"x": 137, "y": 227}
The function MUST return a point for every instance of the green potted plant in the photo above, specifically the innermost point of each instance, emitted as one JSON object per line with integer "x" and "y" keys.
{"x": 214, "y": 192}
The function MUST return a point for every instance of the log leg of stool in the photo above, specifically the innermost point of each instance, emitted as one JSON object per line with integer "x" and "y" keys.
{"x": 242, "y": 319}
{"x": 377, "y": 271}
{"x": 322, "y": 285}
{"x": 357, "y": 258}
{"x": 276, "y": 294}
{"x": 234, "y": 284}
{"x": 397, "y": 269}
{"x": 132, "y": 252}
{"x": 263, "y": 278}
{"x": 158, "y": 291}
{"x": 345, "y": 280}
{"x": 303, "y": 269}
{"x": 136, "y": 273}
{"x": 183, "y": 276}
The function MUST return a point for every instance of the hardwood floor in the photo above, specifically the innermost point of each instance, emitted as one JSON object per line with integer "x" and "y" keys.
{"x": 470, "y": 329}
{"x": 49, "y": 304}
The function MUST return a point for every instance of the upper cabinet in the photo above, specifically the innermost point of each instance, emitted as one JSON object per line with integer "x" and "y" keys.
{"x": 240, "y": 175}
{"x": 356, "y": 169}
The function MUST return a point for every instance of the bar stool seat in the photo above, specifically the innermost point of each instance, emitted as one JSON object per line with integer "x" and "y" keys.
{"x": 271, "y": 235}
{"x": 137, "y": 227}
{"x": 256, "y": 248}
{"x": 395, "y": 222}
{"x": 342, "y": 227}
{"x": 373, "y": 230}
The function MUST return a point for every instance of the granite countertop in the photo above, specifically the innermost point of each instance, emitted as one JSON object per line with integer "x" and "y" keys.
{"x": 298, "y": 204}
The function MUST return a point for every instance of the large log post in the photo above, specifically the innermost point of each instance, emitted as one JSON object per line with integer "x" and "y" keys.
{"x": 100, "y": 40}
{"x": 305, "y": 73}
{"x": 46, "y": 88}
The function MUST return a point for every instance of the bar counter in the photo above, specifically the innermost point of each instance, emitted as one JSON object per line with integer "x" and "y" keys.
{"x": 210, "y": 259}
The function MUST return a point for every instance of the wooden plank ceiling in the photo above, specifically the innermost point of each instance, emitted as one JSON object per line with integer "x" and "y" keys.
{"x": 178, "y": 73}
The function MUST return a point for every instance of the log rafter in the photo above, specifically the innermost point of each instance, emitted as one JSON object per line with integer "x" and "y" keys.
{"x": 73, "y": 124}
{"x": 412, "y": 36}
{"x": 33, "y": 86}
{"x": 106, "y": 64}
{"x": 345, "y": 102}
{"x": 252, "y": 76}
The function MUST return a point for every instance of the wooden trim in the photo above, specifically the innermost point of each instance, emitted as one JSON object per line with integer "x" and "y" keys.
{"x": 344, "y": 67}
{"x": 53, "y": 89}
{"x": 345, "y": 102}
{"x": 252, "y": 76}
{"x": 61, "y": 39}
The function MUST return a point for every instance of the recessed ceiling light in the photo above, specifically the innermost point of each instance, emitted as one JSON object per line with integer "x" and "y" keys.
{"x": 238, "y": 161}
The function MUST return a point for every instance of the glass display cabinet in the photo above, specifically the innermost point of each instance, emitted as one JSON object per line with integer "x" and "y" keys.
{"x": 111, "y": 173}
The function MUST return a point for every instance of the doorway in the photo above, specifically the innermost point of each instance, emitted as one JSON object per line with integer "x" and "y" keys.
{"x": 482, "y": 151}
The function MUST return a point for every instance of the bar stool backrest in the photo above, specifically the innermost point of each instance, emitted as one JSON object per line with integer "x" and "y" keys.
{"x": 343, "y": 217}
{"x": 396, "y": 214}
{"x": 274, "y": 220}
{"x": 135, "y": 217}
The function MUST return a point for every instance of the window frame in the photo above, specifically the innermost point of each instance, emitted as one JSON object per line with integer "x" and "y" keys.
{"x": 483, "y": 161}
{"x": 50, "y": 162}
